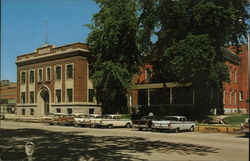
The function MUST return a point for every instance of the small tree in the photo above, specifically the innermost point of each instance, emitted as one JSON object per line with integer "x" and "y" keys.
{"x": 113, "y": 44}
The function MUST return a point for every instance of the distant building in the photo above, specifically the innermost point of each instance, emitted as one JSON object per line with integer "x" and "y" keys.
{"x": 55, "y": 79}
{"x": 236, "y": 92}
{"x": 7, "y": 96}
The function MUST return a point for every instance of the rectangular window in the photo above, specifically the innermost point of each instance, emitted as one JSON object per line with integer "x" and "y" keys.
{"x": 91, "y": 111}
{"x": 241, "y": 95}
{"x": 69, "y": 110}
{"x": 224, "y": 97}
{"x": 69, "y": 71}
{"x": 91, "y": 95}
{"x": 58, "y": 95}
{"x": 48, "y": 74}
{"x": 58, "y": 73}
{"x": 235, "y": 98}
{"x": 32, "y": 111}
{"x": 230, "y": 97}
{"x": 58, "y": 110}
{"x": 32, "y": 76}
{"x": 23, "y": 111}
{"x": 235, "y": 76}
{"x": 22, "y": 97}
{"x": 23, "y": 77}
{"x": 32, "y": 97}
{"x": 40, "y": 75}
{"x": 69, "y": 95}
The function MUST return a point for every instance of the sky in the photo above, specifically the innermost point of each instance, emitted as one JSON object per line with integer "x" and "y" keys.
{"x": 23, "y": 27}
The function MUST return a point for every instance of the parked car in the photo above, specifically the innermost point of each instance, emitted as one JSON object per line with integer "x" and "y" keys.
{"x": 67, "y": 119}
{"x": 245, "y": 127}
{"x": 173, "y": 123}
{"x": 145, "y": 122}
{"x": 52, "y": 118}
{"x": 111, "y": 121}
{"x": 2, "y": 117}
{"x": 48, "y": 118}
{"x": 211, "y": 120}
{"x": 79, "y": 119}
{"x": 90, "y": 118}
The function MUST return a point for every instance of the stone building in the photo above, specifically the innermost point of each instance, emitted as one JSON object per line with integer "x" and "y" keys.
{"x": 7, "y": 96}
{"x": 55, "y": 80}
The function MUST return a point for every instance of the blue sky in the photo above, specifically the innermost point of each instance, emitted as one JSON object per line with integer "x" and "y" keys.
{"x": 23, "y": 27}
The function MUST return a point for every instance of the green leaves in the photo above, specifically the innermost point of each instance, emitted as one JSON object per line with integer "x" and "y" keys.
{"x": 114, "y": 47}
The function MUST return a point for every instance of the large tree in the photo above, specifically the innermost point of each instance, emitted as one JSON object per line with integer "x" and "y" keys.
{"x": 113, "y": 44}
{"x": 191, "y": 34}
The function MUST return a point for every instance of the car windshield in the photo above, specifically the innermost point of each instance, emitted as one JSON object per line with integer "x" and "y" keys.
{"x": 170, "y": 118}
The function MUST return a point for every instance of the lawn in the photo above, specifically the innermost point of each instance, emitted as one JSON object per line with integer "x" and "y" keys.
{"x": 236, "y": 119}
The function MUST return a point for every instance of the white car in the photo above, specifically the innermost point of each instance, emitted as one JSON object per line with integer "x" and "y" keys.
{"x": 79, "y": 119}
{"x": 111, "y": 121}
{"x": 173, "y": 123}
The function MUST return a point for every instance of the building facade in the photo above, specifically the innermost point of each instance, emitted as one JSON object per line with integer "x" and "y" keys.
{"x": 236, "y": 92}
{"x": 7, "y": 96}
{"x": 55, "y": 80}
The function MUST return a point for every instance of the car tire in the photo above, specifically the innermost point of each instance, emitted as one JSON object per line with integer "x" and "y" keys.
{"x": 50, "y": 123}
{"x": 76, "y": 124}
{"x": 140, "y": 128}
{"x": 128, "y": 125}
{"x": 192, "y": 129}
{"x": 177, "y": 130}
{"x": 110, "y": 126}
{"x": 92, "y": 125}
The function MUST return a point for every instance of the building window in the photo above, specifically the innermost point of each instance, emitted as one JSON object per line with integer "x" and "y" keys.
{"x": 91, "y": 95}
{"x": 31, "y": 111}
{"x": 224, "y": 97}
{"x": 58, "y": 73}
{"x": 69, "y": 110}
{"x": 230, "y": 97}
{"x": 235, "y": 76}
{"x": 48, "y": 74}
{"x": 91, "y": 111}
{"x": 40, "y": 75}
{"x": 22, "y": 97}
{"x": 32, "y": 97}
{"x": 69, "y": 95}
{"x": 69, "y": 71}
{"x": 32, "y": 76}
{"x": 241, "y": 95}
{"x": 58, "y": 110}
{"x": 23, "y": 111}
{"x": 23, "y": 77}
{"x": 58, "y": 95}
{"x": 235, "y": 98}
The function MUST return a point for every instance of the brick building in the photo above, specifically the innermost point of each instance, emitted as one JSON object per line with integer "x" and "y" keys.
{"x": 236, "y": 92}
{"x": 55, "y": 79}
{"x": 7, "y": 96}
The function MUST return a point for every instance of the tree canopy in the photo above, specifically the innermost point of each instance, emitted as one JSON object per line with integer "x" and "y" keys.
{"x": 114, "y": 47}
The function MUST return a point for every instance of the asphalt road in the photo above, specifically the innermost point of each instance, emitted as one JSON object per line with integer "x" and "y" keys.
{"x": 58, "y": 143}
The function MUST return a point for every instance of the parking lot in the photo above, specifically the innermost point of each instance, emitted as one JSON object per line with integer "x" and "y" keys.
{"x": 75, "y": 143}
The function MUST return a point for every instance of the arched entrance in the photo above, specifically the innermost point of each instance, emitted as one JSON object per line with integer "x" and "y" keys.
{"x": 44, "y": 94}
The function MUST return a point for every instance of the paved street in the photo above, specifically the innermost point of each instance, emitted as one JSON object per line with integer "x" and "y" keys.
{"x": 58, "y": 143}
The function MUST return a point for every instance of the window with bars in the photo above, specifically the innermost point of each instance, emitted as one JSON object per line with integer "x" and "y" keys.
{"x": 32, "y": 94}
{"x": 32, "y": 76}
{"x": 58, "y": 73}
{"x": 58, "y": 96}
{"x": 40, "y": 75}
{"x": 48, "y": 74}
{"x": 69, "y": 95}
{"x": 23, "y": 75}
{"x": 22, "y": 97}
{"x": 31, "y": 111}
{"x": 70, "y": 71}
{"x": 91, "y": 95}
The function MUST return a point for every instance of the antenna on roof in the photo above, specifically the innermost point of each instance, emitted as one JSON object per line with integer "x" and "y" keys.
{"x": 46, "y": 34}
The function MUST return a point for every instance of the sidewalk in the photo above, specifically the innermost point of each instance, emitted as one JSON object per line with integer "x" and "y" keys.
{"x": 14, "y": 117}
